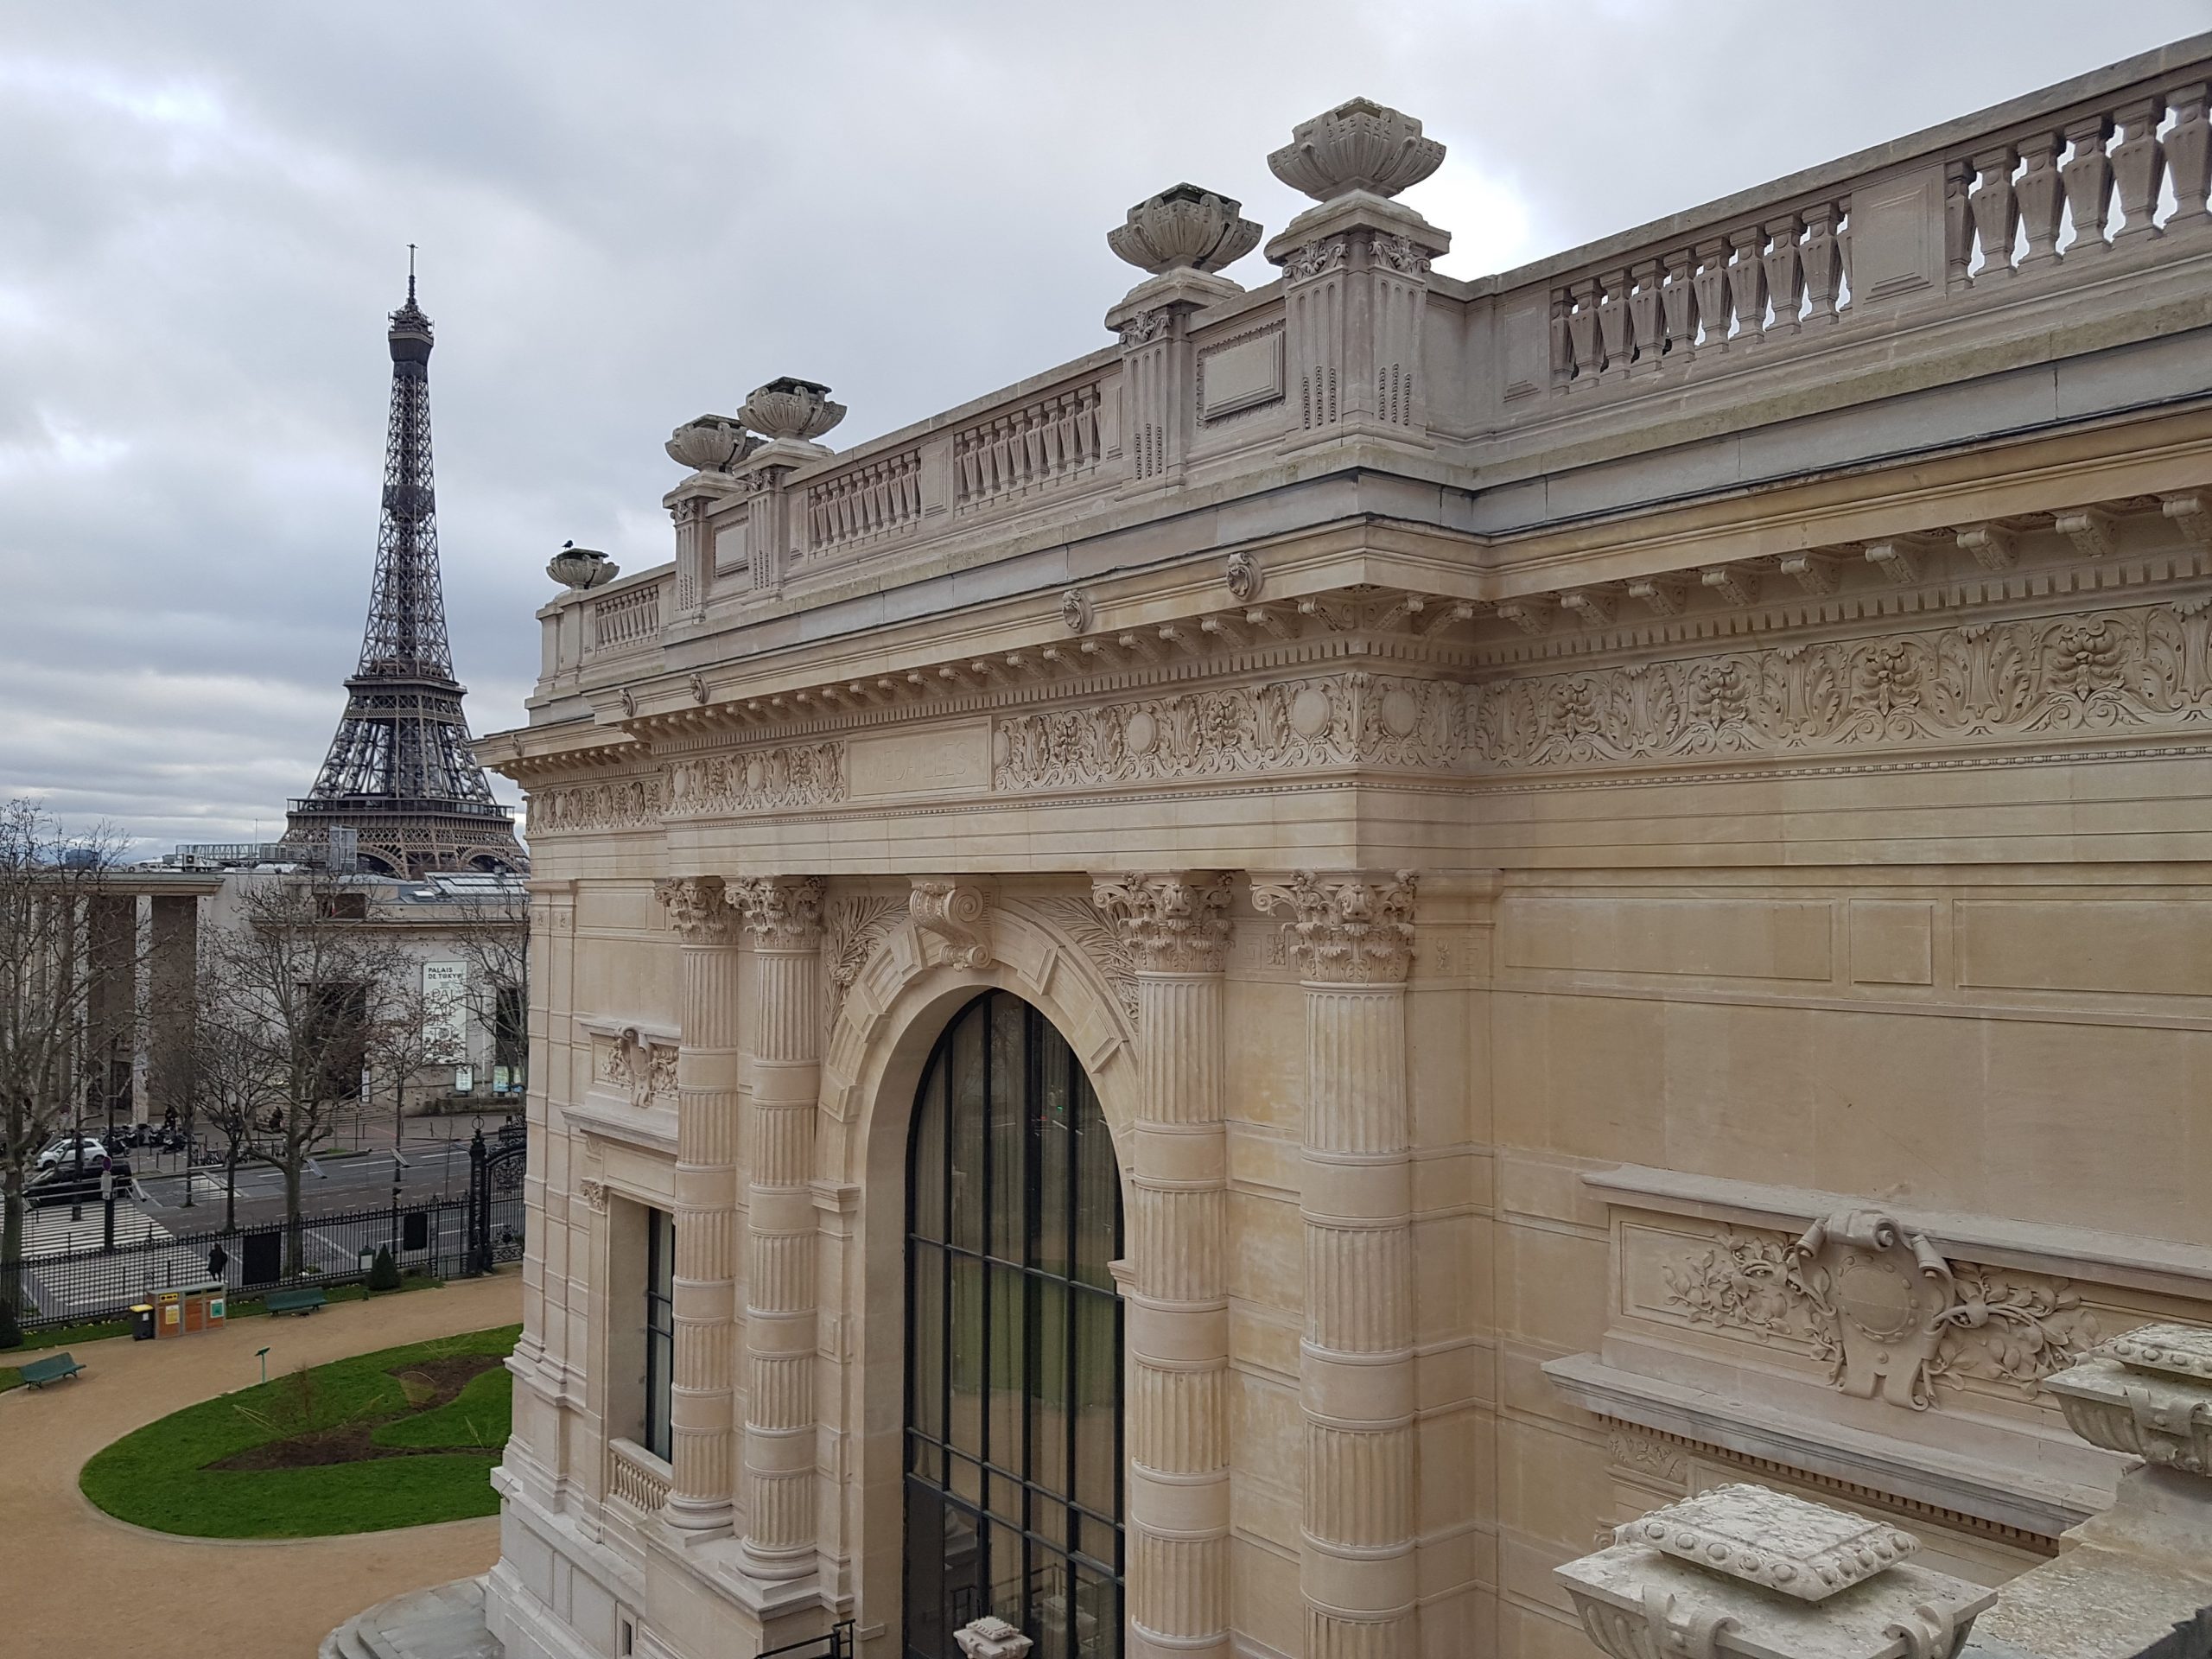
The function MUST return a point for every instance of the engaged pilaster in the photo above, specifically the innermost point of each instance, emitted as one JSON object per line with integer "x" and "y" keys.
{"x": 1176, "y": 926}
{"x": 1351, "y": 936}
{"x": 700, "y": 1416}
{"x": 784, "y": 916}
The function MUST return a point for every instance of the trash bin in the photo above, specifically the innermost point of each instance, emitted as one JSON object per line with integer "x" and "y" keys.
{"x": 169, "y": 1313}
{"x": 141, "y": 1321}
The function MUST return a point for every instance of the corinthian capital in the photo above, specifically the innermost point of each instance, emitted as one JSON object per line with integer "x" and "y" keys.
{"x": 782, "y": 913}
{"x": 1346, "y": 930}
{"x": 1172, "y": 921}
{"x": 696, "y": 908}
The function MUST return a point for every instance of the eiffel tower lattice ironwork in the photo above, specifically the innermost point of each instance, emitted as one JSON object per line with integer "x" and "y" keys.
{"x": 400, "y": 772}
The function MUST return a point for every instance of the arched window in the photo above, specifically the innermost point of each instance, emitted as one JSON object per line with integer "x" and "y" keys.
{"x": 1014, "y": 1343}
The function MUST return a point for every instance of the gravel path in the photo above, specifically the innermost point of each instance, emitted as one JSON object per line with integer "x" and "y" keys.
{"x": 82, "y": 1583}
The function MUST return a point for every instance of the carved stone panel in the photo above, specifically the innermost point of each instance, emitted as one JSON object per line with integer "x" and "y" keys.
{"x": 637, "y": 1066}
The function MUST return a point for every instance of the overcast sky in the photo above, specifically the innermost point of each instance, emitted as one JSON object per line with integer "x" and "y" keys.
{"x": 629, "y": 215}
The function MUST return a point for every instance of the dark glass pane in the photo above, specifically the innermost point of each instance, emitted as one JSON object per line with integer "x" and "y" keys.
{"x": 926, "y": 1344}
{"x": 964, "y": 1424}
{"x": 1048, "y": 1417}
{"x": 1055, "y": 1152}
{"x": 926, "y": 1631}
{"x": 969, "y": 1200}
{"x": 964, "y": 1583}
{"x": 1008, "y": 1571}
{"x": 925, "y": 1458}
{"x": 929, "y": 1158}
{"x": 1009, "y": 1349}
{"x": 1006, "y": 1499}
{"x": 967, "y": 1480}
{"x": 1098, "y": 1539}
{"x": 1097, "y": 1614}
{"x": 1010, "y": 1098}
{"x": 1098, "y": 1400}
{"x": 1098, "y": 1191}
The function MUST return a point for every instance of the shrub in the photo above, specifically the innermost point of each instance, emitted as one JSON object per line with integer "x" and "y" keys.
{"x": 384, "y": 1272}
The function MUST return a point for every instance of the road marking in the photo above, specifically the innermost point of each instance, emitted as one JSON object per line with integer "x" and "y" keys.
{"x": 48, "y": 1230}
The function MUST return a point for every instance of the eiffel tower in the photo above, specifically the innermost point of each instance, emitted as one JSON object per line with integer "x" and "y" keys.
{"x": 400, "y": 772}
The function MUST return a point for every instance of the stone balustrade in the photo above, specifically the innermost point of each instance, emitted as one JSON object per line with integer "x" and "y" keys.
{"x": 1042, "y": 445}
{"x": 859, "y": 505}
{"x": 635, "y": 1477}
{"x": 624, "y": 618}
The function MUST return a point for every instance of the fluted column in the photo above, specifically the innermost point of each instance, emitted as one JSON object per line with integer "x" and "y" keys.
{"x": 1351, "y": 938}
{"x": 1176, "y": 926}
{"x": 700, "y": 1417}
{"x": 784, "y": 916}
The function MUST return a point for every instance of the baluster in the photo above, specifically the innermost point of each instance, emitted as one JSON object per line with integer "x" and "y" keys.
{"x": 1612, "y": 323}
{"x": 2188, "y": 155}
{"x": 1643, "y": 316}
{"x": 1786, "y": 272}
{"x": 1823, "y": 263}
{"x": 1747, "y": 283}
{"x": 1710, "y": 284}
{"x": 2138, "y": 163}
{"x": 1678, "y": 302}
{"x": 2088, "y": 183}
{"x": 1582, "y": 331}
{"x": 1996, "y": 210}
{"x": 1562, "y": 343}
{"x": 2041, "y": 198}
{"x": 1958, "y": 227}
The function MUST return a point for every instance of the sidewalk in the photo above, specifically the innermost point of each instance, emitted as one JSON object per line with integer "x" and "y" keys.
{"x": 80, "y": 1583}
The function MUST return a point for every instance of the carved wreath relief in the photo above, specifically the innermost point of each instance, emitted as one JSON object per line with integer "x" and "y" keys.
{"x": 1884, "y": 1308}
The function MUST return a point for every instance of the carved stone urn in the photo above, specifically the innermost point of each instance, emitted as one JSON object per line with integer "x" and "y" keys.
{"x": 1186, "y": 228}
{"x": 712, "y": 443}
{"x": 789, "y": 410}
{"x": 1359, "y": 145}
{"x": 581, "y": 567}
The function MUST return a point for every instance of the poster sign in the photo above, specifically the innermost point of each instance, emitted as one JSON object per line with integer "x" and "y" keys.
{"x": 445, "y": 1010}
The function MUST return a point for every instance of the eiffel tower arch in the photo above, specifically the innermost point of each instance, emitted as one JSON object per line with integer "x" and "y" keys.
{"x": 401, "y": 773}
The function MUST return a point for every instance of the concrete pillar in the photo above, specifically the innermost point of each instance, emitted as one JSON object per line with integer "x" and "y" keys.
{"x": 174, "y": 952}
{"x": 112, "y": 938}
{"x": 1352, "y": 938}
{"x": 1176, "y": 926}
{"x": 784, "y": 916}
{"x": 706, "y": 1191}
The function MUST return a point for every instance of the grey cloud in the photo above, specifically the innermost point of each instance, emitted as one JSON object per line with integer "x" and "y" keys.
{"x": 630, "y": 215}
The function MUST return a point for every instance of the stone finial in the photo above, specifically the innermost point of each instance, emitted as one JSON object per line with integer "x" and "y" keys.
{"x": 1359, "y": 145}
{"x": 2147, "y": 1395}
{"x": 1742, "y": 1569}
{"x": 581, "y": 567}
{"x": 1185, "y": 228}
{"x": 789, "y": 410}
{"x": 712, "y": 443}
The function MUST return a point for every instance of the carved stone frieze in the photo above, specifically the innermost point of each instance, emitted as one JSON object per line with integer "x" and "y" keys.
{"x": 782, "y": 913}
{"x": 1346, "y": 930}
{"x": 1101, "y": 941}
{"x": 2101, "y": 672}
{"x": 954, "y": 922}
{"x": 1641, "y": 1454}
{"x": 1882, "y": 1308}
{"x": 614, "y": 804}
{"x": 1337, "y": 720}
{"x": 1174, "y": 922}
{"x": 697, "y": 908}
{"x": 751, "y": 780}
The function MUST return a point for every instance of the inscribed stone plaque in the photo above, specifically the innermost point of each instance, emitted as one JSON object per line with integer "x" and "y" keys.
{"x": 926, "y": 762}
{"x": 1244, "y": 375}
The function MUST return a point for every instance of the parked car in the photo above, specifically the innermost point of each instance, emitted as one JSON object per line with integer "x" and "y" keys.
{"x": 64, "y": 1151}
{"x": 63, "y": 1185}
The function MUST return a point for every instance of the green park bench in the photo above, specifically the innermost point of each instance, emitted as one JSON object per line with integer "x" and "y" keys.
{"x": 53, "y": 1369}
{"x": 293, "y": 1302}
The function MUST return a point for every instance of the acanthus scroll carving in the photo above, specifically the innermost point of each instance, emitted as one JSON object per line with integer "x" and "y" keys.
{"x": 1329, "y": 720}
{"x": 1883, "y": 1308}
{"x": 593, "y": 1194}
{"x": 782, "y": 913}
{"x": 953, "y": 921}
{"x": 2143, "y": 670}
{"x": 698, "y": 910}
{"x": 1100, "y": 941}
{"x": 802, "y": 774}
{"x": 1346, "y": 930}
{"x": 852, "y": 928}
{"x": 1172, "y": 923}
{"x": 616, "y": 804}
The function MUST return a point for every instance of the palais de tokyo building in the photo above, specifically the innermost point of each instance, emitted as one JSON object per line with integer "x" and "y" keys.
{"x": 1222, "y": 1002}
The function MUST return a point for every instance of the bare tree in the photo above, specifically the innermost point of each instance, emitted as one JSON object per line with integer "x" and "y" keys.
{"x": 236, "y": 1076}
{"x": 303, "y": 971}
{"x": 409, "y": 1038}
{"x": 64, "y": 947}
{"x": 493, "y": 940}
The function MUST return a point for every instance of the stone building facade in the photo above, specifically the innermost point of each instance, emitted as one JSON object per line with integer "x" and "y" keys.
{"x": 1224, "y": 1001}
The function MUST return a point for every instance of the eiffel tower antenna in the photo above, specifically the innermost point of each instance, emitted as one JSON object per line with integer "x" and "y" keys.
{"x": 400, "y": 772}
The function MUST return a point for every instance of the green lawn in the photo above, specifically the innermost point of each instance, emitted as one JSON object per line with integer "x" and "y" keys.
{"x": 159, "y": 1477}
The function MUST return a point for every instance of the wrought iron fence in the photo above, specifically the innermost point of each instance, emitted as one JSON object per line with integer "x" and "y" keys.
{"x": 443, "y": 1238}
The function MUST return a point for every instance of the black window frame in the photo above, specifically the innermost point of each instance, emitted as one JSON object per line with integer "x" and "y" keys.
{"x": 1087, "y": 1561}
{"x": 656, "y": 1431}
